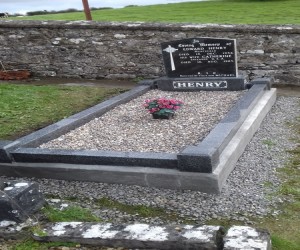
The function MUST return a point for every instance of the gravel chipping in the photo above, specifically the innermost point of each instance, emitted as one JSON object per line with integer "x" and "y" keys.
{"x": 244, "y": 195}
{"x": 129, "y": 127}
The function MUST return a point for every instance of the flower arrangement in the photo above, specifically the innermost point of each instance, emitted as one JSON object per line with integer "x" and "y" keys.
{"x": 162, "y": 106}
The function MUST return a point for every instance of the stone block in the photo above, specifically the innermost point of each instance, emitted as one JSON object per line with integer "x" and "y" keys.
{"x": 19, "y": 200}
{"x": 133, "y": 236}
{"x": 243, "y": 237}
{"x": 4, "y": 156}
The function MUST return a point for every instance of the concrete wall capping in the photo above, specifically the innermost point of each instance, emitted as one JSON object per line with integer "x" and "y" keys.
{"x": 149, "y": 26}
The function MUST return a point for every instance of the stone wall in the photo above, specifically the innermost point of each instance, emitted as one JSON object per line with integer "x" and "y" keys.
{"x": 98, "y": 50}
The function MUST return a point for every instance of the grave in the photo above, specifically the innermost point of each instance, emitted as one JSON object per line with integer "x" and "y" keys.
{"x": 191, "y": 65}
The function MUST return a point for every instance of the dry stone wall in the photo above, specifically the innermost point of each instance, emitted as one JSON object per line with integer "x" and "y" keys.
{"x": 112, "y": 50}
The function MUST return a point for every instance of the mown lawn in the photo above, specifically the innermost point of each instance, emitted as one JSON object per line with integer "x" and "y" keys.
{"x": 222, "y": 12}
{"x": 25, "y": 108}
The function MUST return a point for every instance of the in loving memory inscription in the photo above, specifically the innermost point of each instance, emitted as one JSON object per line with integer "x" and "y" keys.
{"x": 200, "y": 57}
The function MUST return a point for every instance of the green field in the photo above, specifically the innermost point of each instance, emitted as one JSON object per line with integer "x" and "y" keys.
{"x": 222, "y": 12}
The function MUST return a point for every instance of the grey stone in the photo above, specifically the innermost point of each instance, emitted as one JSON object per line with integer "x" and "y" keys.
{"x": 2, "y": 184}
{"x": 19, "y": 200}
{"x": 141, "y": 236}
{"x": 243, "y": 237}
{"x": 4, "y": 155}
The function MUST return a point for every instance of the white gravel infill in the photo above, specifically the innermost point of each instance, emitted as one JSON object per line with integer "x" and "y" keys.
{"x": 129, "y": 127}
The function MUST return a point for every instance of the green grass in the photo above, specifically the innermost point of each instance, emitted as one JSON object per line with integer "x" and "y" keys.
{"x": 269, "y": 143}
{"x": 69, "y": 214}
{"x": 140, "y": 210}
{"x": 222, "y": 12}
{"x": 24, "y": 108}
{"x": 31, "y": 244}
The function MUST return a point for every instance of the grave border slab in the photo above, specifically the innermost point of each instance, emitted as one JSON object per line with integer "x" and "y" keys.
{"x": 205, "y": 156}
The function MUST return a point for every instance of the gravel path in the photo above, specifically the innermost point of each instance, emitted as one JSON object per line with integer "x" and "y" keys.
{"x": 244, "y": 194}
{"x": 129, "y": 127}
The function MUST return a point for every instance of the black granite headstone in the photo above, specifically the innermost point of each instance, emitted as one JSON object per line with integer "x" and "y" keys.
{"x": 200, "y": 57}
{"x": 200, "y": 63}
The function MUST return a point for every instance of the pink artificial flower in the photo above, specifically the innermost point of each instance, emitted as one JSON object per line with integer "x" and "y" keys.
{"x": 153, "y": 110}
{"x": 154, "y": 105}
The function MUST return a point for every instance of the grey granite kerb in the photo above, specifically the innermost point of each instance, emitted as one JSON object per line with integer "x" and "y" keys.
{"x": 204, "y": 156}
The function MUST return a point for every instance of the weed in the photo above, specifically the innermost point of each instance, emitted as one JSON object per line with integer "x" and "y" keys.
{"x": 141, "y": 210}
{"x": 72, "y": 213}
{"x": 281, "y": 244}
{"x": 268, "y": 184}
{"x": 31, "y": 244}
{"x": 37, "y": 230}
{"x": 269, "y": 143}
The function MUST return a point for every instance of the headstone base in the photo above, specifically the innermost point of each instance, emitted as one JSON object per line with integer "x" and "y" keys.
{"x": 201, "y": 83}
